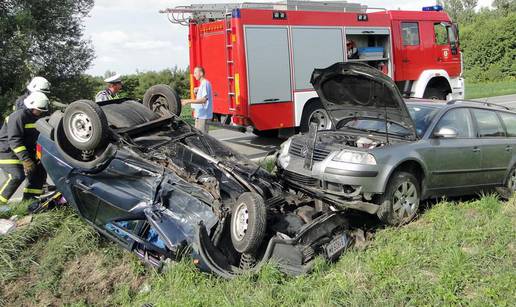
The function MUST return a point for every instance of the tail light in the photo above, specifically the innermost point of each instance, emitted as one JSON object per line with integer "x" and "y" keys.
{"x": 38, "y": 151}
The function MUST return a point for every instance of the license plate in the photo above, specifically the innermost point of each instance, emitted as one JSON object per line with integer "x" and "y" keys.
{"x": 335, "y": 247}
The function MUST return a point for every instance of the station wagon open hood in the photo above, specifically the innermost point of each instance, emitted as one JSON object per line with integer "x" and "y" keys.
{"x": 357, "y": 90}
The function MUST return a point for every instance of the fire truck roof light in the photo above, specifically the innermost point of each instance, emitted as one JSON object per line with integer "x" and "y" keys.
{"x": 433, "y": 8}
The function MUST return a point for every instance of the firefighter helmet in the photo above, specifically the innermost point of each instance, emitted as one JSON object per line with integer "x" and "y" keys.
{"x": 37, "y": 100}
{"x": 39, "y": 84}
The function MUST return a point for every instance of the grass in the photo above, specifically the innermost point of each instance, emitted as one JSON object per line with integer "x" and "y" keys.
{"x": 454, "y": 254}
{"x": 489, "y": 89}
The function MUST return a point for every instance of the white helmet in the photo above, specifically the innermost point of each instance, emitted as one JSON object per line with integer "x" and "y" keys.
{"x": 36, "y": 100}
{"x": 39, "y": 84}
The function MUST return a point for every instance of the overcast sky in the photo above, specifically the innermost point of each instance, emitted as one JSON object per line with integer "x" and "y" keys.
{"x": 130, "y": 35}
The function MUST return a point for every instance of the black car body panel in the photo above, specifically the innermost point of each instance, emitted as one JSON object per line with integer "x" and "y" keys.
{"x": 164, "y": 190}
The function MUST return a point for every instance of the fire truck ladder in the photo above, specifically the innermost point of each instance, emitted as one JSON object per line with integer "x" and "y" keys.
{"x": 229, "y": 60}
{"x": 201, "y": 13}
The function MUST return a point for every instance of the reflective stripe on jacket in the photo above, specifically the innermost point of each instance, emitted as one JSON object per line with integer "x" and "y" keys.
{"x": 19, "y": 136}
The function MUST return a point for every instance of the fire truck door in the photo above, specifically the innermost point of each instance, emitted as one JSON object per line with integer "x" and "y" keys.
{"x": 446, "y": 49}
{"x": 408, "y": 61}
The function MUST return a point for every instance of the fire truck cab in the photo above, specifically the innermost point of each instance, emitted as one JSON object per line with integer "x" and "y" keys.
{"x": 259, "y": 56}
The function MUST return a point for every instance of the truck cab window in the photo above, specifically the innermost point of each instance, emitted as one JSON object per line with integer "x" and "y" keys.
{"x": 410, "y": 33}
{"x": 441, "y": 34}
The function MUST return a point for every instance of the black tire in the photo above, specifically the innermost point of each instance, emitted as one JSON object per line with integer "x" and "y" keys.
{"x": 435, "y": 93}
{"x": 510, "y": 182}
{"x": 388, "y": 212}
{"x": 273, "y": 133}
{"x": 85, "y": 125}
{"x": 252, "y": 208}
{"x": 163, "y": 100}
{"x": 310, "y": 108}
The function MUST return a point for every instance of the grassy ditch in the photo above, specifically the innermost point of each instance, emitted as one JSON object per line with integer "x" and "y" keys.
{"x": 454, "y": 254}
{"x": 490, "y": 89}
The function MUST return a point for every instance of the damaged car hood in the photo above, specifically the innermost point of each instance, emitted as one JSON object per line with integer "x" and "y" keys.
{"x": 355, "y": 90}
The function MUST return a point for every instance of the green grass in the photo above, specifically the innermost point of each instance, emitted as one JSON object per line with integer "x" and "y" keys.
{"x": 489, "y": 89}
{"x": 186, "y": 114}
{"x": 454, "y": 254}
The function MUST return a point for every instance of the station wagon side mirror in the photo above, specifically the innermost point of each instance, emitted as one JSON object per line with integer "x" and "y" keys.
{"x": 446, "y": 133}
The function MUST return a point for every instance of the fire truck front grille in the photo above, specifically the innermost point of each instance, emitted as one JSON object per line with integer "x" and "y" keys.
{"x": 298, "y": 148}
{"x": 301, "y": 179}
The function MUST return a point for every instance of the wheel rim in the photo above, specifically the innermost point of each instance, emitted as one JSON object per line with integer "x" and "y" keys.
{"x": 405, "y": 200}
{"x": 81, "y": 127}
{"x": 240, "y": 222}
{"x": 511, "y": 182}
{"x": 160, "y": 106}
{"x": 321, "y": 117}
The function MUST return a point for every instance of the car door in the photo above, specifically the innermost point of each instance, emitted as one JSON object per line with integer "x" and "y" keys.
{"x": 455, "y": 162}
{"x": 496, "y": 152}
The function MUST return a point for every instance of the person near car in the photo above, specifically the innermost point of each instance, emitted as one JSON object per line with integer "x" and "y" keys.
{"x": 111, "y": 91}
{"x": 351, "y": 49}
{"x": 37, "y": 84}
{"x": 202, "y": 105}
{"x": 18, "y": 138}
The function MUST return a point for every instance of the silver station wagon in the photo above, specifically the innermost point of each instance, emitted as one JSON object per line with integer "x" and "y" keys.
{"x": 384, "y": 155}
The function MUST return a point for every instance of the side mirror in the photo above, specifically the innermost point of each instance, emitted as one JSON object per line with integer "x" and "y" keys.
{"x": 446, "y": 133}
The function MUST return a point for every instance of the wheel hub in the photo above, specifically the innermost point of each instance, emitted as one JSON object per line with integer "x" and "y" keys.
{"x": 240, "y": 221}
{"x": 322, "y": 118}
{"x": 160, "y": 106}
{"x": 81, "y": 127}
{"x": 511, "y": 183}
{"x": 405, "y": 200}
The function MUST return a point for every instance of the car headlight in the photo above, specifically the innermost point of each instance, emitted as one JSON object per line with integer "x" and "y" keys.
{"x": 358, "y": 157}
{"x": 284, "y": 157}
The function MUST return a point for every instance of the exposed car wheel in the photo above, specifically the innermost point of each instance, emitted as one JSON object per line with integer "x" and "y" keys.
{"x": 85, "y": 125}
{"x": 314, "y": 112}
{"x": 400, "y": 202}
{"x": 248, "y": 222}
{"x": 266, "y": 133}
{"x": 511, "y": 180}
{"x": 163, "y": 100}
{"x": 435, "y": 93}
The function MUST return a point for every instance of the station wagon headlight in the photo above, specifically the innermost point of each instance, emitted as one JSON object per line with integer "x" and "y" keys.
{"x": 358, "y": 157}
{"x": 284, "y": 157}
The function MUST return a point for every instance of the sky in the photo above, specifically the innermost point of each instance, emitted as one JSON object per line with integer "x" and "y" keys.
{"x": 130, "y": 35}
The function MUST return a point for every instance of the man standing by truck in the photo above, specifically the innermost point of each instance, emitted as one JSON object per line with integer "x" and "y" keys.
{"x": 203, "y": 102}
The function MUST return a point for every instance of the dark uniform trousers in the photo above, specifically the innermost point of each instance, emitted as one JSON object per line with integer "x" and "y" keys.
{"x": 13, "y": 170}
{"x": 18, "y": 137}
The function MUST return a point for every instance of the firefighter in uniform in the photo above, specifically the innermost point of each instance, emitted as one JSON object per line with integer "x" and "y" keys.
{"x": 37, "y": 84}
{"x": 18, "y": 138}
{"x": 111, "y": 92}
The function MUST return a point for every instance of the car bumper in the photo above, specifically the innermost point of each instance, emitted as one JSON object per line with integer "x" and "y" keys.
{"x": 345, "y": 184}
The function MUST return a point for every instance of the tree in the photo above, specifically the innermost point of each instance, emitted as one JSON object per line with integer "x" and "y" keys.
{"x": 459, "y": 10}
{"x": 43, "y": 37}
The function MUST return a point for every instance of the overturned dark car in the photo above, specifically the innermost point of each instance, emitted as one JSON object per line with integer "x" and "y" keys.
{"x": 164, "y": 190}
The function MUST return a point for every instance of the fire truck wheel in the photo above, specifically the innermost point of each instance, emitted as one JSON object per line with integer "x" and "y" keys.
{"x": 314, "y": 111}
{"x": 435, "y": 93}
{"x": 163, "y": 100}
{"x": 266, "y": 133}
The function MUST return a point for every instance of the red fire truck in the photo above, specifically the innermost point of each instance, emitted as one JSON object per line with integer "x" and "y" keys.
{"x": 259, "y": 56}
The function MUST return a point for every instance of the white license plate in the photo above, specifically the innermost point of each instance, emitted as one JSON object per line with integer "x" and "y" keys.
{"x": 334, "y": 248}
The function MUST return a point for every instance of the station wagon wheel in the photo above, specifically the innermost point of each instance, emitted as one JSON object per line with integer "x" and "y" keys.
{"x": 400, "y": 202}
{"x": 248, "y": 222}
{"x": 511, "y": 180}
{"x": 405, "y": 200}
